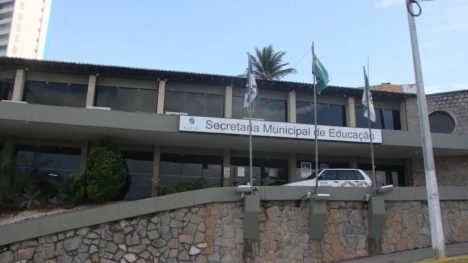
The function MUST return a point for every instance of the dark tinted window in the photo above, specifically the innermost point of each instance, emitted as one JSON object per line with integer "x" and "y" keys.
{"x": 266, "y": 109}
{"x": 349, "y": 175}
{"x": 60, "y": 94}
{"x": 441, "y": 122}
{"x": 127, "y": 99}
{"x": 329, "y": 175}
{"x": 48, "y": 166}
{"x": 140, "y": 170}
{"x": 176, "y": 170}
{"x": 198, "y": 104}
{"x": 327, "y": 114}
{"x": 384, "y": 119}
{"x": 6, "y": 89}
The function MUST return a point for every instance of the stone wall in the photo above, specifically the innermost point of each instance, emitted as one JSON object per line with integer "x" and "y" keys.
{"x": 455, "y": 103}
{"x": 450, "y": 171}
{"x": 213, "y": 233}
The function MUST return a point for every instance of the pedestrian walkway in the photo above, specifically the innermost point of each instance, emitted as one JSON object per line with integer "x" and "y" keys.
{"x": 415, "y": 255}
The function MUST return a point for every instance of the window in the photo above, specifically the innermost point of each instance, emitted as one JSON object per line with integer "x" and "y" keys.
{"x": 60, "y": 94}
{"x": 266, "y": 109}
{"x": 329, "y": 175}
{"x": 384, "y": 119}
{"x": 198, "y": 104}
{"x": 265, "y": 171}
{"x": 127, "y": 99}
{"x": 48, "y": 166}
{"x": 441, "y": 122}
{"x": 327, "y": 114}
{"x": 176, "y": 169}
{"x": 6, "y": 89}
{"x": 140, "y": 170}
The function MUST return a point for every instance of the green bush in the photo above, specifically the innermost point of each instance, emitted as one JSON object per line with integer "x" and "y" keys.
{"x": 73, "y": 191}
{"x": 182, "y": 187}
{"x": 106, "y": 173}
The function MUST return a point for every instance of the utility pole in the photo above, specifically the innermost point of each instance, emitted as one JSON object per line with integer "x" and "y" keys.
{"x": 435, "y": 220}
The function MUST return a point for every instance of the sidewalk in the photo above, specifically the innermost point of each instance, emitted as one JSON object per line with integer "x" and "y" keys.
{"x": 415, "y": 255}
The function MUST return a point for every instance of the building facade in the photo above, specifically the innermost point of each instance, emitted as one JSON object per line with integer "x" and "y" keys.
{"x": 23, "y": 27}
{"x": 176, "y": 127}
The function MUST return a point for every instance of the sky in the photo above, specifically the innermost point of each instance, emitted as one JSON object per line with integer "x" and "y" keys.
{"x": 213, "y": 36}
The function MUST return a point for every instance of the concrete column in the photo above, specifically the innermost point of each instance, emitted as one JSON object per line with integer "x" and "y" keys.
{"x": 353, "y": 162}
{"x": 18, "y": 88}
{"x": 156, "y": 162}
{"x": 251, "y": 216}
{"x": 228, "y": 102}
{"x": 403, "y": 120}
{"x": 317, "y": 218}
{"x": 292, "y": 170}
{"x": 350, "y": 112}
{"x": 292, "y": 106}
{"x": 161, "y": 94}
{"x": 227, "y": 163}
{"x": 83, "y": 157}
{"x": 91, "y": 90}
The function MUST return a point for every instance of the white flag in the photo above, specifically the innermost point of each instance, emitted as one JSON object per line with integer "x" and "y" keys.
{"x": 251, "y": 91}
{"x": 367, "y": 101}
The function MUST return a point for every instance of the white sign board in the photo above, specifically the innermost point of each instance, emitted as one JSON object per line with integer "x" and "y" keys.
{"x": 227, "y": 172}
{"x": 277, "y": 129}
{"x": 306, "y": 169}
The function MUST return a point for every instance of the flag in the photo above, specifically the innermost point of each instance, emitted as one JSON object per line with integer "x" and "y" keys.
{"x": 320, "y": 73}
{"x": 367, "y": 100}
{"x": 251, "y": 90}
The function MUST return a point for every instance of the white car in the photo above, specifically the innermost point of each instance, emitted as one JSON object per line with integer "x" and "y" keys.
{"x": 336, "y": 178}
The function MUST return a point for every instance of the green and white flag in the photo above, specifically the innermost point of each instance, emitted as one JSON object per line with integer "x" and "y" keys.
{"x": 251, "y": 90}
{"x": 320, "y": 74}
{"x": 367, "y": 100}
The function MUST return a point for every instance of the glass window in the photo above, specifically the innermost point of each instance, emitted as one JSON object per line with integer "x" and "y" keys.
{"x": 265, "y": 171}
{"x": 349, "y": 175}
{"x": 48, "y": 167}
{"x": 265, "y": 109}
{"x": 6, "y": 89}
{"x": 385, "y": 174}
{"x": 384, "y": 119}
{"x": 178, "y": 171}
{"x": 329, "y": 175}
{"x": 60, "y": 94}
{"x": 140, "y": 170}
{"x": 197, "y": 104}
{"x": 127, "y": 99}
{"x": 327, "y": 114}
{"x": 441, "y": 122}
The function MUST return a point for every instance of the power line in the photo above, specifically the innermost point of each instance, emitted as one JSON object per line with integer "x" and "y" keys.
{"x": 300, "y": 60}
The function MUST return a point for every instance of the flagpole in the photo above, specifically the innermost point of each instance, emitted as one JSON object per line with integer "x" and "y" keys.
{"x": 315, "y": 124}
{"x": 374, "y": 187}
{"x": 250, "y": 123}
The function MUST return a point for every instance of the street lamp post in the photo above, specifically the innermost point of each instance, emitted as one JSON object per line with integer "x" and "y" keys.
{"x": 435, "y": 220}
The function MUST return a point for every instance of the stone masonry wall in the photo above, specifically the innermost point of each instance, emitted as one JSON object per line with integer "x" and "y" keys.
{"x": 213, "y": 233}
{"x": 455, "y": 103}
{"x": 450, "y": 171}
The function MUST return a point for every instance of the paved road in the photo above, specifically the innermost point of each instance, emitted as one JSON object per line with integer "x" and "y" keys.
{"x": 413, "y": 255}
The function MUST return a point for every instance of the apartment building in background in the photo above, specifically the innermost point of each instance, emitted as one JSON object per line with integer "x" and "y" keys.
{"x": 23, "y": 27}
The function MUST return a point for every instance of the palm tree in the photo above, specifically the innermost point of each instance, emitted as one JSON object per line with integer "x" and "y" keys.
{"x": 268, "y": 64}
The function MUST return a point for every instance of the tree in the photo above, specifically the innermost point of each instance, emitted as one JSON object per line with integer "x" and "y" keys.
{"x": 268, "y": 65}
{"x": 106, "y": 173}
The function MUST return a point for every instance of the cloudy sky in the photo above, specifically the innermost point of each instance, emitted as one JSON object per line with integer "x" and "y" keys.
{"x": 212, "y": 36}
